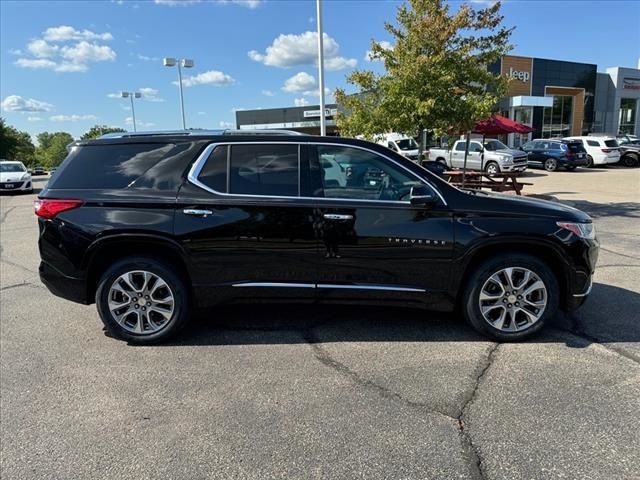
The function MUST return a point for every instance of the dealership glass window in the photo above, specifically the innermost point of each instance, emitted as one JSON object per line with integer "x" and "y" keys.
{"x": 264, "y": 170}
{"x": 558, "y": 119}
{"x": 352, "y": 173}
{"x": 628, "y": 108}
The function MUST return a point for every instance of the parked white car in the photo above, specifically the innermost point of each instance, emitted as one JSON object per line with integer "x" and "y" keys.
{"x": 402, "y": 144}
{"x": 600, "y": 150}
{"x": 14, "y": 177}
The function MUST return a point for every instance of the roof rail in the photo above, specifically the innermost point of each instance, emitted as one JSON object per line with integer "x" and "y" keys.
{"x": 198, "y": 132}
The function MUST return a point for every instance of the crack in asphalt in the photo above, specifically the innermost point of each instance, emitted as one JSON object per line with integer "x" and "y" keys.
{"x": 4, "y": 214}
{"x": 618, "y": 253}
{"x": 17, "y": 265}
{"x": 469, "y": 449}
{"x": 23, "y": 284}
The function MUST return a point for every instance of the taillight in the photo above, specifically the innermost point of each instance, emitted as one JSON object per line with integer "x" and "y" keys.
{"x": 606, "y": 150}
{"x": 50, "y": 207}
{"x": 569, "y": 154}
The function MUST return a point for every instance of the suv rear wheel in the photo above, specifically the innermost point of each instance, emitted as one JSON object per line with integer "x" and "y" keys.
{"x": 550, "y": 164}
{"x": 589, "y": 161}
{"x": 511, "y": 297}
{"x": 141, "y": 300}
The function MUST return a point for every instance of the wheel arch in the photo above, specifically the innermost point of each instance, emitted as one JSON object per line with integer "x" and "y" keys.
{"x": 545, "y": 251}
{"x": 104, "y": 252}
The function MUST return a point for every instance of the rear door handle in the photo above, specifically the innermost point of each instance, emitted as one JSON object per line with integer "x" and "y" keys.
{"x": 337, "y": 216}
{"x": 197, "y": 212}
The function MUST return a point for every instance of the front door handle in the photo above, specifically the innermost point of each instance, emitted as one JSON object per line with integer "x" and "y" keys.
{"x": 197, "y": 212}
{"x": 337, "y": 216}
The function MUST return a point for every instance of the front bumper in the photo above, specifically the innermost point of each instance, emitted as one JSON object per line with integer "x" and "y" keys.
{"x": 21, "y": 186}
{"x": 513, "y": 168}
{"x": 73, "y": 289}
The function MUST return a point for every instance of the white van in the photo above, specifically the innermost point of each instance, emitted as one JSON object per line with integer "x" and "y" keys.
{"x": 600, "y": 150}
{"x": 399, "y": 143}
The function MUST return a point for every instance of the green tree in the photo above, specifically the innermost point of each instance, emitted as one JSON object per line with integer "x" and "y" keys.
{"x": 16, "y": 145}
{"x": 98, "y": 130}
{"x": 436, "y": 73}
{"x": 52, "y": 148}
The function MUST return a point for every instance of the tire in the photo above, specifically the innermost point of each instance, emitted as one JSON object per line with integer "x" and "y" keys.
{"x": 442, "y": 161}
{"x": 492, "y": 168}
{"x": 550, "y": 164}
{"x": 155, "y": 326}
{"x": 629, "y": 161}
{"x": 589, "y": 162}
{"x": 507, "y": 330}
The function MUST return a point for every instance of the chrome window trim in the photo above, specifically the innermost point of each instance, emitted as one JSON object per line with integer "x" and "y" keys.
{"x": 197, "y": 166}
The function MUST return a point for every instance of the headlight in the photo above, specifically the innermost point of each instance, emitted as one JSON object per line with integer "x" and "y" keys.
{"x": 582, "y": 230}
{"x": 26, "y": 176}
{"x": 507, "y": 160}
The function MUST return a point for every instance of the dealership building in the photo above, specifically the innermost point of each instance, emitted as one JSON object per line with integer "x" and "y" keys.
{"x": 556, "y": 98}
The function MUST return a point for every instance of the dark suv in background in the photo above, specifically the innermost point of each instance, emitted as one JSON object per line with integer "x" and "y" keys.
{"x": 150, "y": 226}
{"x": 553, "y": 154}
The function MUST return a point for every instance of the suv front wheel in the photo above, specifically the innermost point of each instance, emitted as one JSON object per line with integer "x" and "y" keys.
{"x": 142, "y": 300}
{"x": 511, "y": 297}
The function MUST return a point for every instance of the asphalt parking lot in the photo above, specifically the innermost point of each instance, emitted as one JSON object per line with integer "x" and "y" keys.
{"x": 327, "y": 391}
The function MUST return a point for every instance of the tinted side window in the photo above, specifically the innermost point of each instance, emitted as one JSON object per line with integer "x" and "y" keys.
{"x": 461, "y": 146}
{"x": 214, "y": 172}
{"x": 528, "y": 146}
{"x": 475, "y": 147}
{"x": 593, "y": 143}
{"x": 555, "y": 146}
{"x": 264, "y": 170}
{"x": 361, "y": 175}
{"x": 108, "y": 166}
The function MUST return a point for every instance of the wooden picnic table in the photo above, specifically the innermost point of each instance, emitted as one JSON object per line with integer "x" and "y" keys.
{"x": 500, "y": 182}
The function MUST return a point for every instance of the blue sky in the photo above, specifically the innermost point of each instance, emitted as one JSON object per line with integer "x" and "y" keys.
{"x": 63, "y": 62}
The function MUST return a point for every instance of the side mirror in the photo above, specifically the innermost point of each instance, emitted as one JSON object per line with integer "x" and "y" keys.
{"x": 421, "y": 195}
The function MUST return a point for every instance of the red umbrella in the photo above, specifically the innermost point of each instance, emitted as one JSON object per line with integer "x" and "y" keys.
{"x": 499, "y": 125}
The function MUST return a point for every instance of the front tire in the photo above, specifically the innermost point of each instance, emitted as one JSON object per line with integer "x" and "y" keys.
{"x": 510, "y": 298}
{"x": 141, "y": 300}
{"x": 550, "y": 164}
{"x": 492, "y": 169}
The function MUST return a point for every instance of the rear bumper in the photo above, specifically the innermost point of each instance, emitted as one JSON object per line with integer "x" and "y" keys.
{"x": 73, "y": 289}
{"x": 573, "y": 162}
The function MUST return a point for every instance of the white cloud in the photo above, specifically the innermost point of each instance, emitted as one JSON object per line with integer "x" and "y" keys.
{"x": 268, "y": 93}
{"x": 65, "y": 33}
{"x": 227, "y": 125}
{"x": 301, "y": 102}
{"x": 83, "y": 52}
{"x": 72, "y": 51}
{"x": 129, "y": 121}
{"x": 293, "y": 50}
{"x": 368, "y": 56}
{"x": 184, "y": 3}
{"x": 211, "y": 77}
{"x": 202, "y": 113}
{"x": 34, "y": 119}
{"x": 41, "y": 49}
{"x": 72, "y": 118}
{"x": 148, "y": 59}
{"x": 150, "y": 94}
{"x": 16, "y": 103}
{"x": 300, "y": 82}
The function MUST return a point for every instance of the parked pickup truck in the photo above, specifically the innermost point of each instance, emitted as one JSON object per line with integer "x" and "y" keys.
{"x": 497, "y": 156}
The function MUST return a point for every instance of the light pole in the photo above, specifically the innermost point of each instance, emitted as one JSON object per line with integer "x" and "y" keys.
{"x": 131, "y": 96}
{"x": 323, "y": 122}
{"x": 181, "y": 63}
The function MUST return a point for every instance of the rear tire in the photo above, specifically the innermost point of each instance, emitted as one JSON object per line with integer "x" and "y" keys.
{"x": 524, "y": 313}
{"x": 630, "y": 161}
{"x": 589, "y": 161}
{"x": 141, "y": 300}
{"x": 550, "y": 164}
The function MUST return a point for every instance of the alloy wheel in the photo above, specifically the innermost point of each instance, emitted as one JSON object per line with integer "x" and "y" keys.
{"x": 513, "y": 299}
{"x": 492, "y": 169}
{"x": 550, "y": 164}
{"x": 141, "y": 302}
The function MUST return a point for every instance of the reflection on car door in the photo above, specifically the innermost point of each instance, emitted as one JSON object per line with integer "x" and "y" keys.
{"x": 242, "y": 204}
{"x": 372, "y": 241}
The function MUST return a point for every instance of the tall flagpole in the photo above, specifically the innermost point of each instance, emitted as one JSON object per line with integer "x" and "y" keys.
{"x": 323, "y": 122}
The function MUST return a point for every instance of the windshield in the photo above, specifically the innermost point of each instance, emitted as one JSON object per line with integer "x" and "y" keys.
{"x": 12, "y": 167}
{"x": 407, "y": 144}
{"x": 493, "y": 145}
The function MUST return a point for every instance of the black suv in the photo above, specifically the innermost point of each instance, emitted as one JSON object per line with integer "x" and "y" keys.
{"x": 553, "y": 154}
{"x": 152, "y": 226}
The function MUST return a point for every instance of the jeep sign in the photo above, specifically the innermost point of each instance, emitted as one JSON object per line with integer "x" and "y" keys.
{"x": 520, "y": 75}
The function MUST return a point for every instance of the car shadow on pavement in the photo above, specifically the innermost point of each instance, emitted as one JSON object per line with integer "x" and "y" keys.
{"x": 620, "y": 209}
{"x": 609, "y": 315}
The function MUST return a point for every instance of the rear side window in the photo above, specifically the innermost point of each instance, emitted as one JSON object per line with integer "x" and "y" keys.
{"x": 611, "y": 143}
{"x": 214, "y": 172}
{"x": 593, "y": 143}
{"x": 264, "y": 170}
{"x": 574, "y": 147}
{"x": 108, "y": 166}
